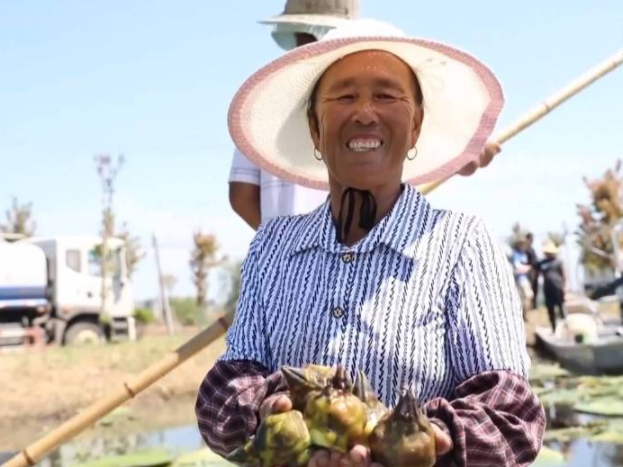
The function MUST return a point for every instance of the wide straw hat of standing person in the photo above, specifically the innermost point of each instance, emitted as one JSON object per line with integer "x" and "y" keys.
{"x": 312, "y": 18}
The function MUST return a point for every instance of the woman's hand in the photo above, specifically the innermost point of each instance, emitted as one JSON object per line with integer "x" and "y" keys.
{"x": 359, "y": 456}
{"x": 491, "y": 149}
{"x": 277, "y": 403}
{"x": 443, "y": 442}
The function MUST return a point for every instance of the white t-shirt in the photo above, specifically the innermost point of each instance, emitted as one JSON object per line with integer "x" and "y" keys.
{"x": 277, "y": 197}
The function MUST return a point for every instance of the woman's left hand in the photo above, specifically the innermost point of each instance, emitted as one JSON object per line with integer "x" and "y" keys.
{"x": 491, "y": 149}
{"x": 359, "y": 456}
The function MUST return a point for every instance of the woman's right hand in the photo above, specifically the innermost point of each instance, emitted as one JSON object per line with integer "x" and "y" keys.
{"x": 277, "y": 403}
{"x": 359, "y": 456}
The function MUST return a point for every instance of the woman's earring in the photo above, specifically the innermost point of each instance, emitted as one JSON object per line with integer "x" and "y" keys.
{"x": 412, "y": 154}
{"x": 317, "y": 155}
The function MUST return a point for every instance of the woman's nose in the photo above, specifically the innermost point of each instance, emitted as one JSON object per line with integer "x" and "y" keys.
{"x": 365, "y": 112}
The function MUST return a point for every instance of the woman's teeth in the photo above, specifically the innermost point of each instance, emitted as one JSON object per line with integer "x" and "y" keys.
{"x": 364, "y": 145}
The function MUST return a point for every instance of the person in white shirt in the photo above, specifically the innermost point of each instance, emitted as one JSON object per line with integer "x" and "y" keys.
{"x": 258, "y": 196}
{"x": 254, "y": 194}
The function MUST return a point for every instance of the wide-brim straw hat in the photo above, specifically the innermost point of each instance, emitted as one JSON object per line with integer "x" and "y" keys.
{"x": 462, "y": 101}
{"x": 550, "y": 247}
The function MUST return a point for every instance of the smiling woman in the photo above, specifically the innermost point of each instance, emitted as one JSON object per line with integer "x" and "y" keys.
{"x": 365, "y": 114}
{"x": 376, "y": 280}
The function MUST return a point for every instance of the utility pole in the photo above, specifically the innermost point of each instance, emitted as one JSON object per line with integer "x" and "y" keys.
{"x": 164, "y": 299}
{"x": 107, "y": 171}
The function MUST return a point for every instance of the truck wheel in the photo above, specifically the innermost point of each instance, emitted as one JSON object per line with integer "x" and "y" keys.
{"x": 84, "y": 333}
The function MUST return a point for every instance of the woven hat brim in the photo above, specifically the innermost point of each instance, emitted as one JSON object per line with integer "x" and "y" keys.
{"x": 551, "y": 249}
{"x": 463, "y": 99}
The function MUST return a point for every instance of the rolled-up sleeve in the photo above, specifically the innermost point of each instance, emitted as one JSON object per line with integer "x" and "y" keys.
{"x": 486, "y": 328}
{"x": 229, "y": 401}
{"x": 246, "y": 339}
{"x": 493, "y": 417}
{"x": 232, "y": 392}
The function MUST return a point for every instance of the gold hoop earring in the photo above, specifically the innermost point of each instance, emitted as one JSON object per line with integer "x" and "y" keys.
{"x": 316, "y": 154}
{"x": 409, "y": 156}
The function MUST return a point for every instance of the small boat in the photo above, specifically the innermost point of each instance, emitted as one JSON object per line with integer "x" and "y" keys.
{"x": 601, "y": 354}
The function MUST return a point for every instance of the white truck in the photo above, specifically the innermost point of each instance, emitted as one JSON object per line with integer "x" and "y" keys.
{"x": 54, "y": 285}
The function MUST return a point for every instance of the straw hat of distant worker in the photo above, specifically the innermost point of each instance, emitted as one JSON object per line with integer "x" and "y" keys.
{"x": 550, "y": 248}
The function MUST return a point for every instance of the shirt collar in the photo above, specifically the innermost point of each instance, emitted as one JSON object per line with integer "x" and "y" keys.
{"x": 400, "y": 229}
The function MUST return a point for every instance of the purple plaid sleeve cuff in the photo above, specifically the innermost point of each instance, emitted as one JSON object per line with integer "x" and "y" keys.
{"x": 229, "y": 401}
{"x": 494, "y": 418}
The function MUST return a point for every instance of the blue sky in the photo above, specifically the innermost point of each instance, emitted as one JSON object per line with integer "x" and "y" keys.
{"x": 153, "y": 80}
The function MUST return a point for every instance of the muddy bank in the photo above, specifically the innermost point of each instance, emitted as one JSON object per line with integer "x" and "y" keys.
{"x": 149, "y": 414}
{"x": 43, "y": 388}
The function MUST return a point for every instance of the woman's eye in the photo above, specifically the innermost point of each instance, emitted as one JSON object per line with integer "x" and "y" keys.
{"x": 346, "y": 97}
{"x": 383, "y": 96}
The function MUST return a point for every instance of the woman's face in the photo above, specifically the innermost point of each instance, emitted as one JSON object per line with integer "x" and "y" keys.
{"x": 365, "y": 118}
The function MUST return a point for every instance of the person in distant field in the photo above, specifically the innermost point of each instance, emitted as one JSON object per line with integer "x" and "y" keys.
{"x": 533, "y": 275}
{"x": 257, "y": 195}
{"x": 521, "y": 271}
{"x": 553, "y": 282}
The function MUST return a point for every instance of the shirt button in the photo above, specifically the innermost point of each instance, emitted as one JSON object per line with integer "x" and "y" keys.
{"x": 338, "y": 312}
{"x": 348, "y": 257}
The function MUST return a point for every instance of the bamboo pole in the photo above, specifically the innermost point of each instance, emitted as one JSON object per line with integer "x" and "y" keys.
{"x": 547, "y": 106}
{"x": 36, "y": 451}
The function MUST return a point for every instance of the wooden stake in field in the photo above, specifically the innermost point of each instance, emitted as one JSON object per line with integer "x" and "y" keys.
{"x": 36, "y": 451}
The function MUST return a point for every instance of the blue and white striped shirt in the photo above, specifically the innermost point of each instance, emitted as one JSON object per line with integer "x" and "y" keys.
{"x": 425, "y": 300}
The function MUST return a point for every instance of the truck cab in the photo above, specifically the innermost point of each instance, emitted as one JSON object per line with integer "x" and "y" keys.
{"x": 74, "y": 311}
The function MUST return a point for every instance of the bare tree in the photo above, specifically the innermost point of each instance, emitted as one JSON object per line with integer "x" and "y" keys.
{"x": 134, "y": 251}
{"x": 133, "y": 248}
{"x": 599, "y": 217}
{"x": 203, "y": 257}
{"x": 107, "y": 170}
{"x": 19, "y": 219}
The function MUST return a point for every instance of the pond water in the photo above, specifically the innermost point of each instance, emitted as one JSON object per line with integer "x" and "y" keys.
{"x": 581, "y": 451}
{"x": 175, "y": 440}
{"x": 584, "y": 440}
{"x": 182, "y": 439}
